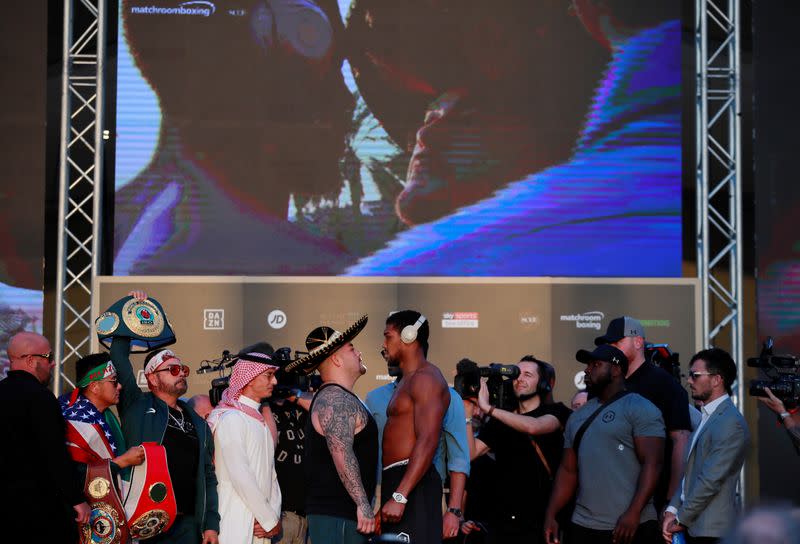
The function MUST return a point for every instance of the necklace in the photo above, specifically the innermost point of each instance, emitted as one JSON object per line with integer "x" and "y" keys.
{"x": 180, "y": 424}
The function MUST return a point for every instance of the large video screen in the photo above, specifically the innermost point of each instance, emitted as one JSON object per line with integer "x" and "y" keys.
{"x": 398, "y": 138}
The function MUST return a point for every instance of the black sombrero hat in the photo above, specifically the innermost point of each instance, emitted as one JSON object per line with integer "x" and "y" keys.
{"x": 321, "y": 342}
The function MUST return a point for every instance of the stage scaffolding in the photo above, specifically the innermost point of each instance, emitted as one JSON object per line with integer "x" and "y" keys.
{"x": 719, "y": 181}
{"x": 719, "y": 210}
{"x": 80, "y": 210}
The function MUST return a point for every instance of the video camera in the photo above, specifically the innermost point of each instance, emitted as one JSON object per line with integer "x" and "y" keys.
{"x": 499, "y": 376}
{"x": 783, "y": 372}
{"x": 660, "y": 355}
{"x": 289, "y": 383}
{"x": 292, "y": 383}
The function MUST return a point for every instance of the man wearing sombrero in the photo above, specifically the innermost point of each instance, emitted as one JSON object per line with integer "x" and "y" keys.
{"x": 249, "y": 495}
{"x": 341, "y": 451}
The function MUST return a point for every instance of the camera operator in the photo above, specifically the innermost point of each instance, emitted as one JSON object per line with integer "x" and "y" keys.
{"x": 527, "y": 443}
{"x": 790, "y": 421}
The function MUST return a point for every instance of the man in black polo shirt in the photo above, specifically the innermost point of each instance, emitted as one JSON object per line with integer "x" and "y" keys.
{"x": 659, "y": 387}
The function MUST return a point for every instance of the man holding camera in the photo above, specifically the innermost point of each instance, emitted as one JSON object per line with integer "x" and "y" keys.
{"x": 704, "y": 506}
{"x": 527, "y": 443}
{"x": 789, "y": 420}
{"x": 659, "y": 387}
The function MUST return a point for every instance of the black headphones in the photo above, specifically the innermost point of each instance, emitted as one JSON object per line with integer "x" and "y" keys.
{"x": 547, "y": 374}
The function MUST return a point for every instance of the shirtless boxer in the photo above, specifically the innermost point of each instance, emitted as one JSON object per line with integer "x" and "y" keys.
{"x": 411, "y": 490}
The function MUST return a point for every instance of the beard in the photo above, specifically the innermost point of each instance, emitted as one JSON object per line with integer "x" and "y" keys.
{"x": 178, "y": 388}
{"x": 522, "y": 397}
{"x": 701, "y": 395}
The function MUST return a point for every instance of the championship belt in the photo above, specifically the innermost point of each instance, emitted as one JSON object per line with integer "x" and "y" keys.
{"x": 143, "y": 321}
{"x": 107, "y": 521}
{"x": 150, "y": 505}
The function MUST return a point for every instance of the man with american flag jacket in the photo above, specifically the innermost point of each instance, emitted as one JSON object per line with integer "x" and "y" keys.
{"x": 93, "y": 431}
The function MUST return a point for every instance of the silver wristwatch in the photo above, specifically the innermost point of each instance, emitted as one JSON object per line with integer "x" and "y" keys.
{"x": 399, "y": 498}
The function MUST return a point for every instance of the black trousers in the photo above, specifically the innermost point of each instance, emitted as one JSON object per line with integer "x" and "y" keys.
{"x": 422, "y": 516}
{"x": 648, "y": 533}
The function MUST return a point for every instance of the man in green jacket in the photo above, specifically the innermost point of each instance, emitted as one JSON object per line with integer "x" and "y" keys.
{"x": 158, "y": 416}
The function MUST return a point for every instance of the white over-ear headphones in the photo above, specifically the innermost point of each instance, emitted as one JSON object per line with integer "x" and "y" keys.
{"x": 409, "y": 332}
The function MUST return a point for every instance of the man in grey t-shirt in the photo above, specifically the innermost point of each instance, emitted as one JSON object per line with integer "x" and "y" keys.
{"x": 616, "y": 465}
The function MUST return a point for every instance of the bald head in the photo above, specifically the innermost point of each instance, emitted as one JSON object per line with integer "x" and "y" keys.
{"x": 201, "y": 404}
{"x": 31, "y": 352}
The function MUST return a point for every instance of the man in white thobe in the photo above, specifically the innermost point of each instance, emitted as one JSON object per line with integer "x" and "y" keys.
{"x": 249, "y": 496}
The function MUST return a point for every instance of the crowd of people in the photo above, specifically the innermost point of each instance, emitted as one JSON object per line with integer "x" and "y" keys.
{"x": 632, "y": 461}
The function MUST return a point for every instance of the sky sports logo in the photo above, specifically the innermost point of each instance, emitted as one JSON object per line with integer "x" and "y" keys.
{"x": 194, "y": 7}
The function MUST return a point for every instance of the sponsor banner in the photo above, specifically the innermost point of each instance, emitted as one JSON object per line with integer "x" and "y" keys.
{"x": 196, "y": 7}
{"x": 460, "y": 320}
{"x": 213, "y": 320}
{"x": 586, "y": 320}
{"x": 277, "y": 319}
{"x": 547, "y": 318}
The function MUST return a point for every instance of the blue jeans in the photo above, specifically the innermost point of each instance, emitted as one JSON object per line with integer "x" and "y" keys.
{"x": 332, "y": 530}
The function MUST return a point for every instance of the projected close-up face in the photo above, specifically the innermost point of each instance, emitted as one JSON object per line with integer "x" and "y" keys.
{"x": 361, "y": 136}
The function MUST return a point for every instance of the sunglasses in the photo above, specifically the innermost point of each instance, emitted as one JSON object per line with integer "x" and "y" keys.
{"x": 175, "y": 370}
{"x": 695, "y": 375}
{"x": 48, "y": 355}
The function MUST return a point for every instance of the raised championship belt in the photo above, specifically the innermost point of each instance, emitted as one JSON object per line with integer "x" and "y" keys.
{"x": 107, "y": 521}
{"x": 150, "y": 504}
{"x": 143, "y": 321}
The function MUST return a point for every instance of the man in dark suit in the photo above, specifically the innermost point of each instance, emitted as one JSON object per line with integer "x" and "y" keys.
{"x": 704, "y": 506}
{"x": 36, "y": 483}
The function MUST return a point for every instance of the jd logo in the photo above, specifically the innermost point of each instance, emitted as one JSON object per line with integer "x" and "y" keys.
{"x": 276, "y": 319}
{"x": 608, "y": 417}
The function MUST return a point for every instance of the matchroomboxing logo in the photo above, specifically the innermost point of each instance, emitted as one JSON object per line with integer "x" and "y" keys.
{"x": 202, "y": 8}
{"x": 586, "y": 320}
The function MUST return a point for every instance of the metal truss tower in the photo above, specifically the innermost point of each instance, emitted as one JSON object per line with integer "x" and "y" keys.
{"x": 719, "y": 181}
{"x": 80, "y": 178}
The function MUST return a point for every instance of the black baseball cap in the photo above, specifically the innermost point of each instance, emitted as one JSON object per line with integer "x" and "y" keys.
{"x": 619, "y": 328}
{"x": 604, "y": 352}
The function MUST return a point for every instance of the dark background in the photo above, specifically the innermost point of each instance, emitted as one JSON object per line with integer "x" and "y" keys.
{"x": 777, "y": 198}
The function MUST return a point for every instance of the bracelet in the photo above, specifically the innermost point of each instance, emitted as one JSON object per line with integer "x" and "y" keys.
{"x": 491, "y": 410}
{"x": 468, "y": 420}
{"x": 784, "y": 415}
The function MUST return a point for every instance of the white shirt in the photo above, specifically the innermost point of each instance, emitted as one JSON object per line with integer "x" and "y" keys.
{"x": 706, "y": 412}
{"x": 248, "y": 485}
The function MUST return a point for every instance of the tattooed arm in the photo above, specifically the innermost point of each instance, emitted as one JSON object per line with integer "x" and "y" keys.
{"x": 338, "y": 415}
